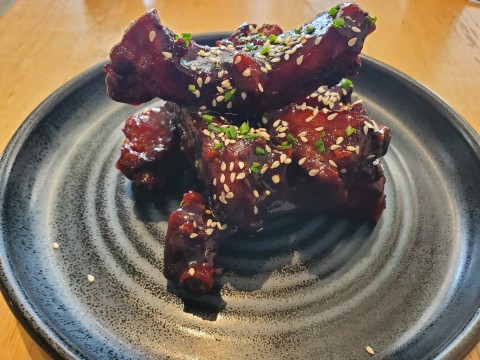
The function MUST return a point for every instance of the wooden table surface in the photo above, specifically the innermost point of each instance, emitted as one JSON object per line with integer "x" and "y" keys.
{"x": 45, "y": 43}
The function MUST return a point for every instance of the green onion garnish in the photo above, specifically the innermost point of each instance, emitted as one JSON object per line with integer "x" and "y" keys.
{"x": 244, "y": 128}
{"x": 286, "y": 145}
{"x": 255, "y": 168}
{"x": 291, "y": 139}
{"x": 297, "y": 31}
{"x": 346, "y": 84}
{"x": 218, "y": 146}
{"x": 371, "y": 20}
{"x": 251, "y": 47}
{"x": 265, "y": 50}
{"x": 259, "y": 151}
{"x": 310, "y": 29}
{"x": 191, "y": 88}
{"x": 228, "y": 95}
{"x": 350, "y": 130}
{"x": 338, "y": 23}
{"x": 272, "y": 38}
{"x": 208, "y": 118}
{"x": 333, "y": 11}
{"x": 323, "y": 134}
{"x": 251, "y": 136}
{"x": 320, "y": 146}
{"x": 187, "y": 38}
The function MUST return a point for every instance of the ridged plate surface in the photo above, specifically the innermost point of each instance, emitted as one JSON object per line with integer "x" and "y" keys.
{"x": 305, "y": 288}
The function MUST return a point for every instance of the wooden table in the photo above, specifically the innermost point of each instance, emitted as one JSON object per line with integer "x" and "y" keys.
{"x": 45, "y": 43}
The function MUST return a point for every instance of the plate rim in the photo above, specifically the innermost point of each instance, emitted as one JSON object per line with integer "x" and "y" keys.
{"x": 56, "y": 346}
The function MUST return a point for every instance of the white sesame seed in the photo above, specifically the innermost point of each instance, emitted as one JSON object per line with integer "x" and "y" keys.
{"x": 267, "y": 192}
{"x": 355, "y": 29}
{"x": 208, "y": 211}
{"x": 256, "y": 194}
{"x": 310, "y": 118}
{"x": 213, "y": 224}
{"x": 283, "y": 157}
{"x": 214, "y": 103}
{"x": 232, "y": 177}
{"x": 220, "y": 98}
{"x": 313, "y": 172}
{"x": 268, "y": 66}
{"x": 191, "y": 271}
{"x": 260, "y": 87}
{"x": 240, "y": 176}
{"x": 90, "y": 278}
{"x": 264, "y": 70}
{"x": 352, "y": 41}
{"x": 275, "y": 60}
{"x": 357, "y": 149}
{"x": 304, "y": 139}
{"x": 286, "y": 57}
{"x": 222, "y": 199}
{"x": 199, "y": 82}
{"x": 333, "y": 163}
{"x": 229, "y": 195}
{"x": 281, "y": 129}
{"x": 55, "y": 245}
{"x": 209, "y": 231}
{"x": 332, "y": 116}
{"x": 339, "y": 140}
{"x": 219, "y": 226}
{"x": 193, "y": 235}
{"x": 220, "y": 89}
{"x": 214, "y": 181}
{"x": 247, "y": 72}
{"x": 365, "y": 129}
{"x": 277, "y": 123}
{"x": 167, "y": 54}
{"x": 276, "y": 179}
{"x": 370, "y": 350}
{"x": 243, "y": 95}
{"x": 300, "y": 60}
{"x": 241, "y": 164}
{"x": 152, "y": 35}
{"x": 303, "y": 133}
{"x": 206, "y": 132}
{"x": 255, "y": 210}
{"x": 221, "y": 73}
{"x": 226, "y": 188}
{"x": 334, "y": 147}
{"x": 222, "y": 178}
{"x": 193, "y": 67}
{"x": 201, "y": 52}
{"x": 238, "y": 59}
{"x": 224, "y": 227}
{"x": 317, "y": 40}
{"x": 207, "y": 79}
{"x": 351, "y": 148}
{"x": 275, "y": 164}
{"x": 319, "y": 128}
{"x": 371, "y": 156}
{"x": 343, "y": 171}
{"x": 229, "y": 105}
{"x": 223, "y": 166}
{"x": 267, "y": 148}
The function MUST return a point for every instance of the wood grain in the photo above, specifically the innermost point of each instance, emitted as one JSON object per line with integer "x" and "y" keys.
{"x": 46, "y": 43}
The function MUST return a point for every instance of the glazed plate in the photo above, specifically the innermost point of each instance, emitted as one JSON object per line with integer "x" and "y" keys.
{"x": 307, "y": 287}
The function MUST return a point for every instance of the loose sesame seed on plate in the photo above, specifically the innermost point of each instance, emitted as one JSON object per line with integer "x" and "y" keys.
{"x": 193, "y": 235}
{"x": 313, "y": 172}
{"x": 276, "y": 178}
{"x": 55, "y": 245}
{"x": 168, "y": 55}
{"x": 243, "y": 95}
{"x": 199, "y": 82}
{"x": 370, "y": 350}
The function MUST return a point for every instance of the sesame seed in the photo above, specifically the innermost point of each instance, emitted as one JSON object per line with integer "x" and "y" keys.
{"x": 260, "y": 87}
{"x": 209, "y": 231}
{"x": 300, "y": 60}
{"x": 352, "y": 41}
{"x": 219, "y": 226}
{"x": 255, "y": 210}
{"x": 355, "y": 29}
{"x": 331, "y": 162}
{"x": 365, "y": 129}
{"x": 339, "y": 140}
{"x": 193, "y": 235}
{"x": 283, "y": 157}
{"x": 152, "y": 35}
{"x": 201, "y": 52}
{"x": 334, "y": 147}
{"x": 55, "y": 245}
{"x": 304, "y": 139}
{"x": 241, "y": 164}
{"x": 370, "y": 350}
{"x": 319, "y": 128}
{"x": 317, "y": 40}
{"x": 247, "y": 72}
{"x": 301, "y": 161}
{"x": 200, "y": 82}
{"x": 229, "y": 105}
{"x": 288, "y": 161}
{"x": 275, "y": 164}
{"x": 286, "y": 57}
{"x": 241, "y": 176}
{"x": 214, "y": 181}
{"x": 267, "y": 192}
{"x": 191, "y": 271}
{"x": 209, "y": 222}
{"x": 275, "y": 60}
{"x": 220, "y": 98}
{"x": 276, "y": 123}
{"x": 268, "y": 66}
{"x": 223, "y": 166}
{"x": 214, "y": 103}
{"x": 194, "y": 224}
{"x": 276, "y": 179}
{"x": 282, "y": 129}
{"x": 208, "y": 211}
{"x": 193, "y": 67}
{"x": 351, "y": 148}
{"x": 221, "y": 73}
{"x": 357, "y": 149}
{"x": 256, "y": 194}
{"x": 264, "y": 70}
{"x": 243, "y": 95}
{"x": 167, "y": 54}
{"x": 303, "y": 133}
{"x": 207, "y": 79}
{"x": 226, "y": 188}
{"x": 232, "y": 177}
{"x": 213, "y": 224}
{"x": 206, "y": 132}
{"x": 371, "y": 156}
{"x": 310, "y": 118}
{"x": 267, "y": 148}
{"x": 313, "y": 172}
{"x": 220, "y": 89}
{"x": 229, "y": 195}
{"x": 264, "y": 169}
{"x": 343, "y": 171}
{"x": 90, "y": 278}
{"x": 231, "y": 166}
{"x": 222, "y": 199}
{"x": 332, "y": 116}
{"x": 222, "y": 178}
{"x": 197, "y": 93}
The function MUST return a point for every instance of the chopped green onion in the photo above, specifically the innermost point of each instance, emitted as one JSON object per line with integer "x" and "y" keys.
{"x": 231, "y": 132}
{"x": 338, "y": 23}
{"x": 228, "y": 95}
{"x": 265, "y": 50}
{"x": 259, "y": 151}
{"x": 371, "y": 20}
{"x": 333, "y": 11}
{"x": 187, "y": 38}
{"x": 175, "y": 37}
{"x": 320, "y": 146}
{"x": 346, "y": 84}
{"x": 251, "y": 136}
{"x": 272, "y": 38}
{"x": 244, "y": 128}
{"x": 255, "y": 168}
{"x": 291, "y": 139}
{"x": 218, "y": 146}
{"x": 191, "y": 88}
{"x": 251, "y": 47}
{"x": 212, "y": 127}
{"x": 208, "y": 118}
{"x": 297, "y": 31}
{"x": 350, "y": 130}
{"x": 286, "y": 145}
{"x": 310, "y": 29}
{"x": 323, "y": 134}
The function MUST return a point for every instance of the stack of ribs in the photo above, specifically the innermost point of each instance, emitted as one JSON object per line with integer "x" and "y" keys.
{"x": 266, "y": 121}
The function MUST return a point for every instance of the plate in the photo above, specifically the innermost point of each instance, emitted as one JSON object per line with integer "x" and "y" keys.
{"x": 306, "y": 287}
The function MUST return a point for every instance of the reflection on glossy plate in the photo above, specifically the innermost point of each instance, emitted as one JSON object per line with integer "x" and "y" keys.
{"x": 307, "y": 287}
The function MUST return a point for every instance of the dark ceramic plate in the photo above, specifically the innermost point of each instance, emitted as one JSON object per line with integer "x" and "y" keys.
{"x": 307, "y": 287}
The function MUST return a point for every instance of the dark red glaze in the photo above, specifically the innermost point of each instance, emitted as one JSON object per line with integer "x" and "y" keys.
{"x": 151, "y": 155}
{"x": 150, "y": 62}
{"x": 191, "y": 245}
